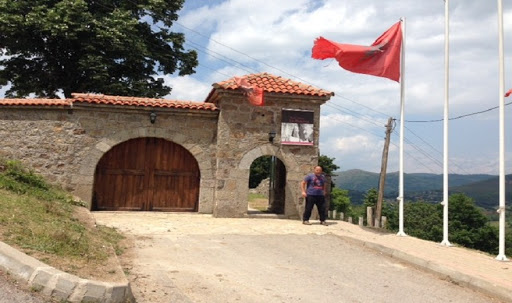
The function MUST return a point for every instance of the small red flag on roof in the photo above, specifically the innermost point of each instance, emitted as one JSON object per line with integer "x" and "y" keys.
{"x": 254, "y": 94}
{"x": 381, "y": 59}
{"x": 508, "y": 93}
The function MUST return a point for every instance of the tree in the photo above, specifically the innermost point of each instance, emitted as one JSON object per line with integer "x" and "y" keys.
{"x": 370, "y": 198}
{"x": 467, "y": 224}
{"x": 327, "y": 164}
{"x": 341, "y": 200}
{"x": 100, "y": 46}
{"x": 260, "y": 169}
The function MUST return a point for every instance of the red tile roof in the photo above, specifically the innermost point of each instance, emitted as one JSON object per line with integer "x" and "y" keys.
{"x": 105, "y": 99}
{"x": 137, "y": 101}
{"x": 275, "y": 84}
{"x": 35, "y": 102}
{"x": 269, "y": 83}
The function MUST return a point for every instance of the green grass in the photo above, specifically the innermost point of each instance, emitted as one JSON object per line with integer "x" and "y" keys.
{"x": 253, "y": 196}
{"x": 38, "y": 217}
{"x": 258, "y": 201}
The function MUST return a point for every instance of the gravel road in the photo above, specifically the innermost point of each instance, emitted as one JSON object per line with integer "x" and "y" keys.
{"x": 12, "y": 291}
{"x": 195, "y": 258}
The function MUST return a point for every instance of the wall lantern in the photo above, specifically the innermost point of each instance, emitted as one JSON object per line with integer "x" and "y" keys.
{"x": 152, "y": 117}
{"x": 271, "y": 136}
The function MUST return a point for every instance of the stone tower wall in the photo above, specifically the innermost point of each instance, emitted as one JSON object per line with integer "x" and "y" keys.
{"x": 243, "y": 136}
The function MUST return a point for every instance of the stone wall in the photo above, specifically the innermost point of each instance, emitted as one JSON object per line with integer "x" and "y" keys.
{"x": 243, "y": 137}
{"x": 262, "y": 188}
{"x": 65, "y": 144}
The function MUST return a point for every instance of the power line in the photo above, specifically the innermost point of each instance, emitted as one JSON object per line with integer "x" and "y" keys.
{"x": 340, "y": 108}
{"x": 458, "y": 117}
{"x": 439, "y": 152}
{"x": 330, "y": 104}
{"x": 276, "y": 68}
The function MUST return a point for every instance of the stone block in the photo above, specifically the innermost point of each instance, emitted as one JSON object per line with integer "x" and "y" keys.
{"x": 94, "y": 292}
{"x": 119, "y": 294}
{"x": 42, "y": 277}
{"x": 102, "y": 146}
{"x": 64, "y": 286}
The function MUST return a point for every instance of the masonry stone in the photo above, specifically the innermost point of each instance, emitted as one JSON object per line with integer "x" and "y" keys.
{"x": 65, "y": 144}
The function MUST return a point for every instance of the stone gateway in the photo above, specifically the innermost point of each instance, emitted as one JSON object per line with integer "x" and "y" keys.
{"x": 130, "y": 153}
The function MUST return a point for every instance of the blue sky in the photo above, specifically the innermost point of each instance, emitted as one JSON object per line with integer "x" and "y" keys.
{"x": 239, "y": 37}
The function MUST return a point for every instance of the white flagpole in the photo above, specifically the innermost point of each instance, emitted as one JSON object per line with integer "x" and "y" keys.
{"x": 501, "y": 256}
{"x": 402, "y": 99}
{"x": 445, "y": 241}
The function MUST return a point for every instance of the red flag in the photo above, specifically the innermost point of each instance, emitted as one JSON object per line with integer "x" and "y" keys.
{"x": 253, "y": 93}
{"x": 381, "y": 59}
{"x": 508, "y": 93}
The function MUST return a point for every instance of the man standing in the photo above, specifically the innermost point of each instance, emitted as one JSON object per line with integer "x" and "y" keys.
{"x": 313, "y": 189}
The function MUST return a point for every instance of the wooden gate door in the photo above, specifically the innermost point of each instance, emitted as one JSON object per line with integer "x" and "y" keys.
{"x": 147, "y": 174}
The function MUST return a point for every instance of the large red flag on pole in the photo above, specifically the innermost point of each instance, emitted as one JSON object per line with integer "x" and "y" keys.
{"x": 381, "y": 59}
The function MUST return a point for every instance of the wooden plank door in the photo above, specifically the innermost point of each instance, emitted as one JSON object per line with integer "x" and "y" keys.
{"x": 120, "y": 178}
{"x": 147, "y": 174}
{"x": 175, "y": 177}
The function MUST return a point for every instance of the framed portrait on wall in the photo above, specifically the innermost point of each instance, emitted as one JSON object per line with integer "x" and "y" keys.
{"x": 297, "y": 127}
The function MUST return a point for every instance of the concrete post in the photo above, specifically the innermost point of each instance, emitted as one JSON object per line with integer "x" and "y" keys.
{"x": 369, "y": 216}
{"x": 349, "y": 219}
{"x": 384, "y": 221}
{"x": 334, "y": 215}
{"x": 360, "y": 221}
{"x": 342, "y": 216}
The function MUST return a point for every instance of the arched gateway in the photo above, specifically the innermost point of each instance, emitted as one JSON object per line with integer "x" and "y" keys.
{"x": 135, "y": 153}
{"x": 147, "y": 174}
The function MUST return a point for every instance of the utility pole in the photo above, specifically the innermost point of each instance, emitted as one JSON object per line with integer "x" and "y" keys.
{"x": 382, "y": 180}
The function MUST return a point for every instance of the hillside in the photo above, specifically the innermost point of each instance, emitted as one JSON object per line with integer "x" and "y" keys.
{"x": 422, "y": 186}
{"x": 486, "y": 193}
{"x": 361, "y": 180}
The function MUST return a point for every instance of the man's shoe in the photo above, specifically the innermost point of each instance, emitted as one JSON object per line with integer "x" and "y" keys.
{"x": 306, "y": 223}
{"x": 324, "y": 223}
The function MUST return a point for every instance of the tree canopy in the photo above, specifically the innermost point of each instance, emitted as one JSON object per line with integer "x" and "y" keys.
{"x": 327, "y": 164}
{"x": 260, "y": 169}
{"x": 100, "y": 46}
{"x": 467, "y": 225}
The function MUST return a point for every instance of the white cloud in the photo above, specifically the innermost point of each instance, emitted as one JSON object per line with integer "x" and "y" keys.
{"x": 355, "y": 144}
{"x": 187, "y": 88}
{"x": 238, "y": 37}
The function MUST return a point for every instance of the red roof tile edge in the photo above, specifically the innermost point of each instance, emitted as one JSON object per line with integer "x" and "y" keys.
{"x": 113, "y": 100}
{"x": 139, "y": 101}
{"x": 35, "y": 102}
{"x": 276, "y": 84}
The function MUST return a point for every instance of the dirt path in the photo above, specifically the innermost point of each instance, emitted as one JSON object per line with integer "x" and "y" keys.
{"x": 197, "y": 258}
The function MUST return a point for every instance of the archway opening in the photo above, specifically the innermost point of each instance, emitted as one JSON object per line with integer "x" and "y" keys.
{"x": 267, "y": 182}
{"x": 148, "y": 174}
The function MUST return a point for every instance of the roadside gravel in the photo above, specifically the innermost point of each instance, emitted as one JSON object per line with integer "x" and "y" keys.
{"x": 12, "y": 291}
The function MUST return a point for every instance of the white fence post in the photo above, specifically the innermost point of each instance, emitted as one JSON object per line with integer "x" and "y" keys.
{"x": 369, "y": 216}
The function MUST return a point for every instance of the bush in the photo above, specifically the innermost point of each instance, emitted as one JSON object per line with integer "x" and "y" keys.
{"x": 340, "y": 201}
{"x": 467, "y": 225}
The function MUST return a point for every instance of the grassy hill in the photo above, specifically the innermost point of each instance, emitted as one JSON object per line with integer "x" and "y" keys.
{"x": 486, "y": 193}
{"x": 47, "y": 223}
{"x": 360, "y": 180}
{"x": 482, "y": 188}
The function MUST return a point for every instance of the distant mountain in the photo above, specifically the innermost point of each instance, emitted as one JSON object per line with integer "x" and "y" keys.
{"x": 356, "y": 179}
{"x": 482, "y": 188}
{"x": 486, "y": 193}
